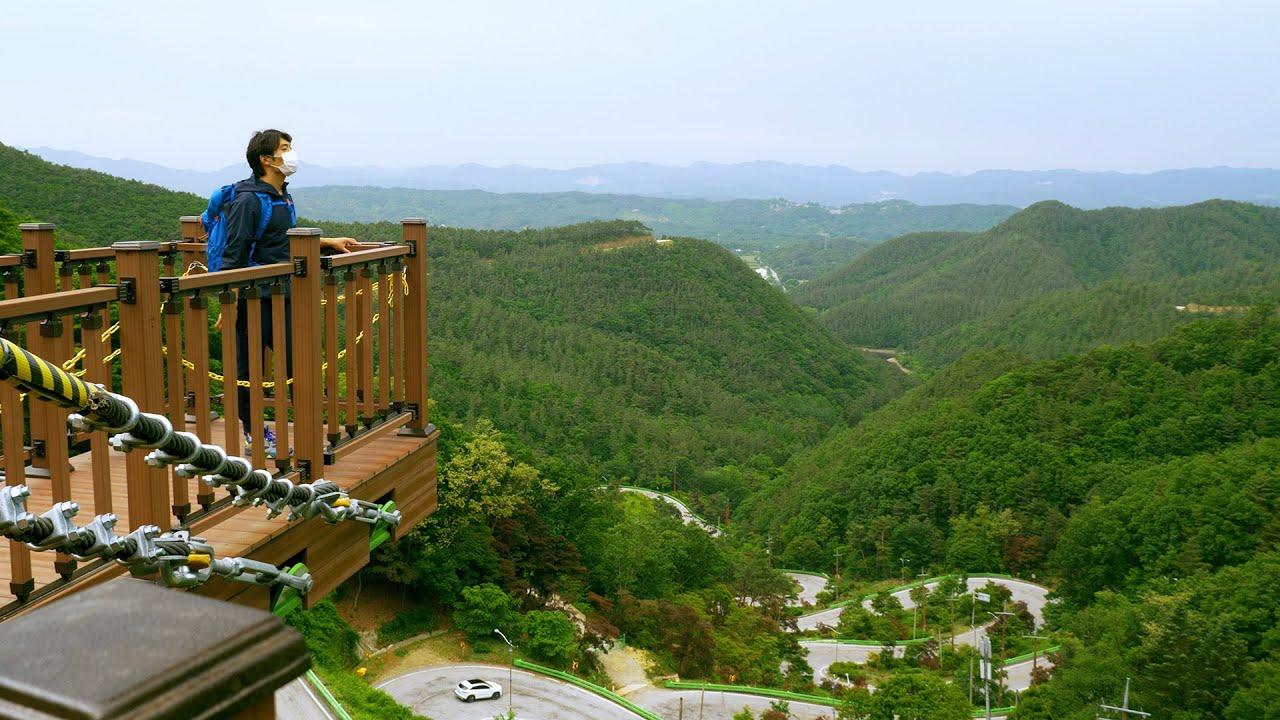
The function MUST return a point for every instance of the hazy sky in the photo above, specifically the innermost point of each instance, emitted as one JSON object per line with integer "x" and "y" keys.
{"x": 1132, "y": 85}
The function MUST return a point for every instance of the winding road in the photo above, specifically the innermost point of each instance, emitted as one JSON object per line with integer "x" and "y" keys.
{"x": 685, "y": 512}
{"x": 823, "y": 654}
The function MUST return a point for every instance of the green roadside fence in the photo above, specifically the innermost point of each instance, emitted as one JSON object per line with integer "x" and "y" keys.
{"x": 1028, "y": 656}
{"x": 329, "y": 699}
{"x": 869, "y": 643}
{"x": 749, "y": 690}
{"x": 787, "y": 695}
{"x": 804, "y": 572}
{"x": 591, "y": 687}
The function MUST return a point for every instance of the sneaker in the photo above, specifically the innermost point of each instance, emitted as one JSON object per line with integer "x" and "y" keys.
{"x": 270, "y": 441}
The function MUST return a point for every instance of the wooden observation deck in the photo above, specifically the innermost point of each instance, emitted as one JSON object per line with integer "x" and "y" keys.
{"x": 136, "y": 319}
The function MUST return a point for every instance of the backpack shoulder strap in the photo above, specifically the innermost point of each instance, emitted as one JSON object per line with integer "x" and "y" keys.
{"x": 264, "y": 217}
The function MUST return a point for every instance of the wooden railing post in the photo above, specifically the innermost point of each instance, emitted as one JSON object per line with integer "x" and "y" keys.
{"x": 142, "y": 370}
{"x": 191, "y": 246}
{"x": 46, "y": 340}
{"x": 415, "y": 327}
{"x": 21, "y": 583}
{"x": 39, "y": 278}
{"x": 305, "y": 294}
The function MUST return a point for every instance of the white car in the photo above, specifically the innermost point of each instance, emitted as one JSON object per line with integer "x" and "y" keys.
{"x": 469, "y": 690}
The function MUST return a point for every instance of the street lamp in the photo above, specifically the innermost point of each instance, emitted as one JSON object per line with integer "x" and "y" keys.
{"x": 511, "y": 672}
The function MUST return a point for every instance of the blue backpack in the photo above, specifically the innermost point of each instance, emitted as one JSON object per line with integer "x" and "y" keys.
{"x": 215, "y": 223}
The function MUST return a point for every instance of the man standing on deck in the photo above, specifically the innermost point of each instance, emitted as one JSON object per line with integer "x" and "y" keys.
{"x": 272, "y": 159}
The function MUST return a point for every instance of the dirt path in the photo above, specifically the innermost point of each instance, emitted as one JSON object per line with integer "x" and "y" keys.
{"x": 626, "y": 667}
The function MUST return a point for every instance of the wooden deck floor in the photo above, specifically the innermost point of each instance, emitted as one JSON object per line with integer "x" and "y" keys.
{"x": 231, "y": 531}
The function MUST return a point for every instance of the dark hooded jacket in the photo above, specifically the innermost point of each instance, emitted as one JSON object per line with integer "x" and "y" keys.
{"x": 243, "y": 216}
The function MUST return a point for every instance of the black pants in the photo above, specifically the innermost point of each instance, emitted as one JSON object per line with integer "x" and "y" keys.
{"x": 242, "y": 350}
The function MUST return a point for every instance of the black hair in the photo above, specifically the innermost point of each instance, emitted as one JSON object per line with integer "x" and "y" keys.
{"x": 263, "y": 142}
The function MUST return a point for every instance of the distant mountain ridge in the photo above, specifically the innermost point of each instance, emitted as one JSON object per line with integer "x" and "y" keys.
{"x": 829, "y": 185}
{"x": 1052, "y": 279}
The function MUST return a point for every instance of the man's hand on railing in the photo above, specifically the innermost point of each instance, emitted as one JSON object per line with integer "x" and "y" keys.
{"x": 339, "y": 244}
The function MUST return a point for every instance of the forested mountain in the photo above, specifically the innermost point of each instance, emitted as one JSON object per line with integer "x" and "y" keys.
{"x": 1143, "y": 480}
{"x": 89, "y": 208}
{"x": 600, "y": 345}
{"x": 1051, "y": 279}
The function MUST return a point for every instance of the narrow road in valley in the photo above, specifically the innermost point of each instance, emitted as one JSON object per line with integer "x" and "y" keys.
{"x": 890, "y": 356}
{"x": 534, "y": 697}
{"x": 712, "y": 705}
{"x": 810, "y": 585}
{"x": 685, "y": 513}
{"x": 1032, "y": 594}
{"x": 823, "y": 655}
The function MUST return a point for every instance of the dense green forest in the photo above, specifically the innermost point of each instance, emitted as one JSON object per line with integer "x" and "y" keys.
{"x": 1142, "y": 480}
{"x": 1051, "y": 280}
{"x": 90, "y": 209}
{"x": 751, "y": 224}
{"x": 640, "y": 361}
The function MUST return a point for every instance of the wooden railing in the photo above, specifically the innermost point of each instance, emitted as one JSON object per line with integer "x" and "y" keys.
{"x": 358, "y": 326}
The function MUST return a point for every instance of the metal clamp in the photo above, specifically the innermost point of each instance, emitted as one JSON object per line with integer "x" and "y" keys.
{"x": 104, "y": 536}
{"x": 127, "y": 441}
{"x": 187, "y": 470}
{"x": 245, "y": 496}
{"x": 14, "y": 517}
{"x": 159, "y": 458}
{"x": 232, "y": 463}
{"x": 144, "y": 554}
{"x": 64, "y": 531}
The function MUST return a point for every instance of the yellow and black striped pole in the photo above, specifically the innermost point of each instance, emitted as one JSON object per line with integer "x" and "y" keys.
{"x": 32, "y": 374}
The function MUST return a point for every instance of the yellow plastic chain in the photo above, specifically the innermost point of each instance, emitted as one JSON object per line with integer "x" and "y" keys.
{"x": 70, "y": 365}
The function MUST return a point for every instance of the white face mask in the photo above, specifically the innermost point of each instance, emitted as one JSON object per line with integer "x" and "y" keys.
{"x": 288, "y": 162}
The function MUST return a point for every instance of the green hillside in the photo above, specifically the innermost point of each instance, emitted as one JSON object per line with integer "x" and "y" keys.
{"x": 1051, "y": 279}
{"x": 89, "y": 207}
{"x": 1143, "y": 482}
{"x": 639, "y": 359}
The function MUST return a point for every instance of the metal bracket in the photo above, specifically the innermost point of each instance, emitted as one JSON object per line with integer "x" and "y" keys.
{"x": 304, "y": 470}
{"x": 38, "y": 449}
{"x": 127, "y": 290}
{"x": 51, "y": 327}
{"x": 300, "y": 266}
{"x": 91, "y": 320}
{"x": 169, "y": 285}
{"x": 413, "y": 408}
{"x": 413, "y": 247}
{"x": 29, "y": 259}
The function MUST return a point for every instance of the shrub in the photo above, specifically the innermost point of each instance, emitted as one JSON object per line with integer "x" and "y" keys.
{"x": 407, "y": 624}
